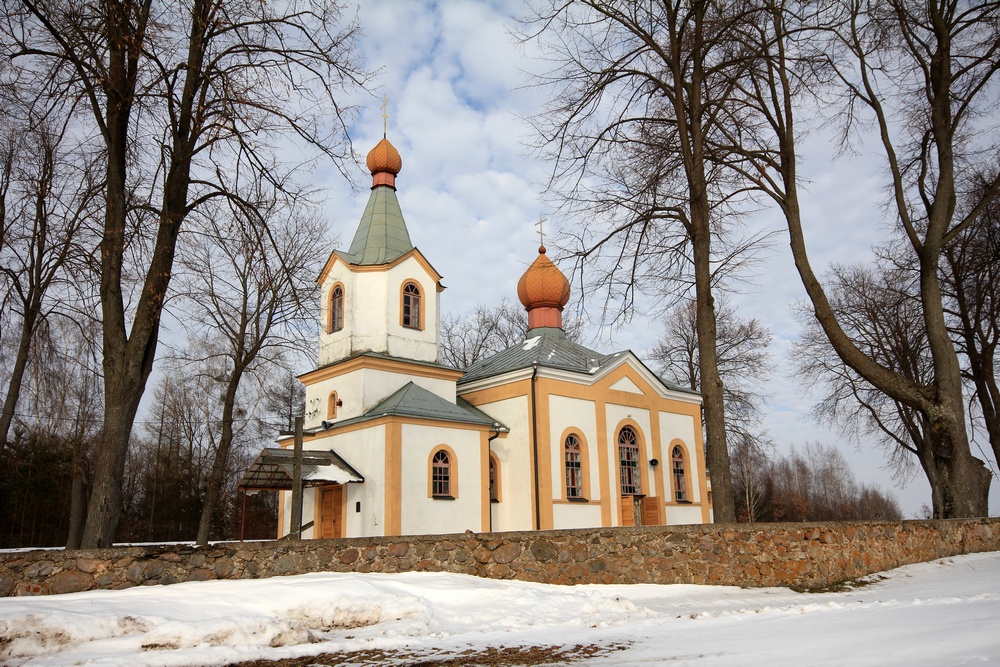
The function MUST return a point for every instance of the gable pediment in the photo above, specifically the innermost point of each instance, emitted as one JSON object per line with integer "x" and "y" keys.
{"x": 626, "y": 384}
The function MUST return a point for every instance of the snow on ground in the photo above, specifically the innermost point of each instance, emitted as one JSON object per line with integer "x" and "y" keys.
{"x": 942, "y": 613}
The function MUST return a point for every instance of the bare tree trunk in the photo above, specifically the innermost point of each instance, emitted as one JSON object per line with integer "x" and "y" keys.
{"x": 17, "y": 372}
{"x": 78, "y": 499}
{"x": 217, "y": 477}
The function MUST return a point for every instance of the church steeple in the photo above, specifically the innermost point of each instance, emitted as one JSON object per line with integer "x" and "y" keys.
{"x": 382, "y": 235}
{"x": 382, "y": 295}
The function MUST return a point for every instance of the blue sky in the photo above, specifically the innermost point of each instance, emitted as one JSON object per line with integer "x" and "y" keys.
{"x": 458, "y": 88}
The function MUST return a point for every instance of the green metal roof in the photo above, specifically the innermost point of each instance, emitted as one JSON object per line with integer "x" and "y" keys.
{"x": 382, "y": 236}
{"x": 549, "y": 348}
{"x": 412, "y": 400}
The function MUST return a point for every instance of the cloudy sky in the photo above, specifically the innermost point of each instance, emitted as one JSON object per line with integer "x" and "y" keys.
{"x": 470, "y": 190}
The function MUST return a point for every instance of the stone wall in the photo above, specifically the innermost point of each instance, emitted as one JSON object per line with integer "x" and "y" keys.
{"x": 798, "y": 555}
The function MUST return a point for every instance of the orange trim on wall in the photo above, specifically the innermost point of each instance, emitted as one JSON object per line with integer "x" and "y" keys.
{"x": 378, "y": 364}
{"x": 496, "y": 394}
{"x": 393, "y": 478}
{"x": 604, "y": 464}
{"x": 484, "y": 482}
{"x": 544, "y": 458}
{"x": 355, "y": 268}
{"x": 657, "y": 453}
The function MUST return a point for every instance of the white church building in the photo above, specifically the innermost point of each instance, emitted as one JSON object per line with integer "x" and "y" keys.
{"x": 547, "y": 434}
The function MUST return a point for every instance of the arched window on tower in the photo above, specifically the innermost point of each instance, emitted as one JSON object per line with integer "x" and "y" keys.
{"x": 628, "y": 462}
{"x": 331, "y": 405}
{"x": 411, "y": 306}
{"x": 574, "y": 467}
{"x": 677, "y": 473}
{"x": 336, "y": 309}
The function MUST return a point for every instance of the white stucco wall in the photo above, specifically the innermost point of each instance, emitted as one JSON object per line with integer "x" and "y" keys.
{"x": 421, "y": 514}
{"x": 364, "y": 388}
{"x": 515, "y": 510}
{"x": 681, "y": 514}
{"x": 581, "y": 416}
{"x": 372, "y": 307}
{"x": 576, "y": 515}
{"x": 364, "y": 450}
{"x": 308, "y": 510}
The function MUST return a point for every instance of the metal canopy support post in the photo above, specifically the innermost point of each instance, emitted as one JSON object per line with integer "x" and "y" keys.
{"x": 296, "y": 520}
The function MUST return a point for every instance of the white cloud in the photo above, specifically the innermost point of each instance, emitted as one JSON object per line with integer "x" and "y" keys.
{"x": 470, "y": 194}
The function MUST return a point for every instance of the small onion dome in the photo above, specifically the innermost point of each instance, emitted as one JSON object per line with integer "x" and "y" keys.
{"x": 384, "y": 163}
{"x": 544, "y": 290}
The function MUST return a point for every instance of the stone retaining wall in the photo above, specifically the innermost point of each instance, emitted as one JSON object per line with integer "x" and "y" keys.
{"x": 799, "y": 555}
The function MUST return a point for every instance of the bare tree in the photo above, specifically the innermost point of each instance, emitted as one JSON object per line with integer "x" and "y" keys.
{"x": 639, "y": 129}
{"x": 47, "y": 194}
{"x": 744, "y": 362}
{"x": 248, "y": 288}
{"x": 971, "y": 284}
{"x": 922, "y": 76}
{"x": 750, "y": 464}
{"x": 487, "y": 330}
{"x": 879, "y": 309}
{"x": 816, "y": 483}
{"x": 187, "y": 100}
{"x": 284, "y": 400}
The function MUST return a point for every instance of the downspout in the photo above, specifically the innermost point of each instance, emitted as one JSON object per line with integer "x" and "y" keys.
{"x": 534, "y": 447}
{"x": 489, "y": 441}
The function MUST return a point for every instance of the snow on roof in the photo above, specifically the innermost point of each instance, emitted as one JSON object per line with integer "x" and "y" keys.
{"x": 272, "y": 470}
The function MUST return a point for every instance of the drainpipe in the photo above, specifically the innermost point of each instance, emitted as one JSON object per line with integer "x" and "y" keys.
{"x": 534, "y": 446}
{"x": 496, "y": 434}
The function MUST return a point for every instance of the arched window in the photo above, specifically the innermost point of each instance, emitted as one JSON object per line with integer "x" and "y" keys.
{"x": 677, "y": 472}
{"x": 574, "y": 467}
{"x": 441, "y": 475}
{"x": 494, "y": 480}
{"x": 628, "y": 462}
{"x": 331, "y": 405}
{"x": 411, "y": 306}
{"x": 336, "y": 309}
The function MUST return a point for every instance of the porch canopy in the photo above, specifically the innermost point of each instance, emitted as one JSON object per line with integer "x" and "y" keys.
{"x": 272, "y": 470}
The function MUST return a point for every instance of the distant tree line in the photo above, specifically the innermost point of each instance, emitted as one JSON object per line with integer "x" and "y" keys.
{"x": 814, "y": 483}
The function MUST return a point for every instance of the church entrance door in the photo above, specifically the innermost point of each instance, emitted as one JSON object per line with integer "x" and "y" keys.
{"x": 331, "y": 511}
{"x": 631, "y": 510}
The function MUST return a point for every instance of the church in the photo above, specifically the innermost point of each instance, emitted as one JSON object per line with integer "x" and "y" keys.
{"x": 547, "y": 434}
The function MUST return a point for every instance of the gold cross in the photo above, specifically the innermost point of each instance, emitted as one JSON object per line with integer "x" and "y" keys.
{"x": 541, "y": 234}
{"x": 385, "y": 114}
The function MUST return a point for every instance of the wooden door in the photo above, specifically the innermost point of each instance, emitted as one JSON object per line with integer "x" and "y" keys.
{"x": 331, "y": 511}
{"x": 629, "y": 515}
{"x": 652, "y": 511}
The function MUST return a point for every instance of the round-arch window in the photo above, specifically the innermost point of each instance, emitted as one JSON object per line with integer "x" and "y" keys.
{"x": 574, "y": 467}
{"x": 677, "y": 471}
{"x": 337, "y": 309}
{"x": 411, "y": 306}
{"x": 441, "y": 474}
{"x": 628, "y": 461}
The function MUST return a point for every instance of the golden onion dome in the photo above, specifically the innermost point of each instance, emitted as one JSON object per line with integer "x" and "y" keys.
{"x": 384, "y": 158}
{"x": 543, "y": 284}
